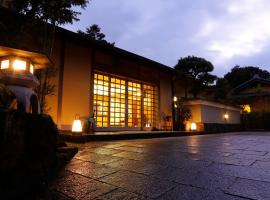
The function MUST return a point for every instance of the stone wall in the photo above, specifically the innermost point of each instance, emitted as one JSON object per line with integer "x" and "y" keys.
{"x": 28, "y": 145}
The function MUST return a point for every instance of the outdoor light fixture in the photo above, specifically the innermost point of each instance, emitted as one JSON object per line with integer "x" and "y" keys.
{"x": 226, "y": 116}
{"x": 4, "y": 64}
{"x": 19, "y": 65}
{"x": 174, "y": 99}
{"x": 193, "y": 126}
{"x": 246, "y": 108}
{"x": 77, "y": 125}
{"x": 31, "y": 69}
{"x": 16, "y": 64}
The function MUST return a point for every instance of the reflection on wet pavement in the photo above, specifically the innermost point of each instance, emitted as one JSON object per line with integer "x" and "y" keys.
{"x": 222, "y": 166}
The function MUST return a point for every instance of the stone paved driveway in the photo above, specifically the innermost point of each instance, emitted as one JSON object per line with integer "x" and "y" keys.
{"x": 230, "y": 166}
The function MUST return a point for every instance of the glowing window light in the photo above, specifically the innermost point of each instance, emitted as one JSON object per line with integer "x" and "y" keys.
{"x": 193, "y": 126}
{"x": 19, "y": 65}
{"x": 31, "y": 69}
{"x": 246, "y": 108}
{"x": 226, "y": 116}
{"x": 77, "y": 125}
{"x": 4, "y": 64}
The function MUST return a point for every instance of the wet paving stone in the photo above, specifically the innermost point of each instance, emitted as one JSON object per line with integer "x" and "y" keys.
{"x": 138, "y": 183}
{"x": 183, "y": 192}
{"x": 121, "y": 195}
{"x": 240, "y": 171}
{"x": 80, "y": 187}
{"x": 97, "y": 158}
{"x": 55, "y": 195}
{"x": 219, "y": 166}
{"x": 124, "y": 164}
{"x": 131, "y": 149}
{"x": 213, "y": 181}
{"x": 234, "y": 161}
{"x": 91, "y": 170}
{"x": 250, "y": 189}
{"x": 261, "y": 164}
{"x": 130, "y": 155}
{"x": 191, "y": 165}
{"x": 104, "y": 151}
{"x": 177, "y": 175}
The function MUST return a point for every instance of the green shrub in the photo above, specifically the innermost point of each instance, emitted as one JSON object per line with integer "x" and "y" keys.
{"x": 255, "y": 121}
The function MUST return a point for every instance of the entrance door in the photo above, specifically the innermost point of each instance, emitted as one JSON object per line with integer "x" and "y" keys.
{"x": 123, "y": 104}
{"x": 134, "y": 105}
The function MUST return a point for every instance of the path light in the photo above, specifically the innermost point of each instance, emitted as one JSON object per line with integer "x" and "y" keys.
{"x": 147, "y": 125}
{"x": 77, "y": 125}
{"x": 193, "y": 126}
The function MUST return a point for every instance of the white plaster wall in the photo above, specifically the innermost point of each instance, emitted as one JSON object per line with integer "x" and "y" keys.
{"x": 210, "y": 114}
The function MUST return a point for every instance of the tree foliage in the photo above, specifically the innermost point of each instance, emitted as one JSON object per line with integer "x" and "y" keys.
{"x": 94, "y": 32}
{"x": 223, "y": 88}
{"x": 239, "y": 75}
{"x": 47, "y": 87}
{"x": 52, "y": 11}
{"x": 55, "y": 12}
{"x": 199, "y": 70}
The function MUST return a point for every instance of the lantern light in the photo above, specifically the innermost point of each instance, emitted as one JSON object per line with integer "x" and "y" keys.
{"x": 4, "y": 64}
{"x": 147, "y": 125}
{"x": 19, "y": 65}
{"x": 77, "y": 125}
{"x": 226, "y": 116}
{"x": 31, "y": 69}
{"x": 193, "y": 126}
{"x": 175, "y": 99}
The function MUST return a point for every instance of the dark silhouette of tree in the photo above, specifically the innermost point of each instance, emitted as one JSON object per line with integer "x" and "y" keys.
{"x": 53, "y": 13}
{"x": 239, "y": 75}
{"x": 199, "y": 70}
{"x": 223, "y": 88}
{"x": 94, "y": 32}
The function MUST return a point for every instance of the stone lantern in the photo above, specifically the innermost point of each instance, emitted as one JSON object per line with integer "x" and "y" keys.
{"x": 17, "y": 73}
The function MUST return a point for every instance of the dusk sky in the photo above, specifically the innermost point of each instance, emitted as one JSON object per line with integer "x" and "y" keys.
{"x": 226, "y": 32}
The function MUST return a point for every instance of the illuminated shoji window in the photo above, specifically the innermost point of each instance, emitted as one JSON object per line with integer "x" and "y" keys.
{"x": 101, "y": 100}
{"x": 134, "y": 104}
{"x": 117, "y": 102}
{"x": 149, "y": 106}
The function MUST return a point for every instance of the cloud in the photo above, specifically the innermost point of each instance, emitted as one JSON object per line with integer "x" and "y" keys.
{"x": 225, "y": 32}
{"x": 242, "y": 30}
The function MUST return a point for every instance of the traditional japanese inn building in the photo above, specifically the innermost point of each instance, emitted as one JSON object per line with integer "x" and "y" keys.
{"x": 95, "y": 82}
{"x": 121, "y": 90}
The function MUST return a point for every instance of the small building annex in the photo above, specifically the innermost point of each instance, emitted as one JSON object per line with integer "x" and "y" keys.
{"x": 253, "y": 95}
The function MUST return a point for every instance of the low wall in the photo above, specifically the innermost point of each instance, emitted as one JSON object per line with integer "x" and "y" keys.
{"x": 28, "y": 145}
{"x": 255, "y": 121}
{"x": 219, "y": 128}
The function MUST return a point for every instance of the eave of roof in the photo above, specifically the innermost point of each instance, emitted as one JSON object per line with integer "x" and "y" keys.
{"x": 250, "y": 82}
{"x": 111, "y": 48}
{"x": 258, "y": 94}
